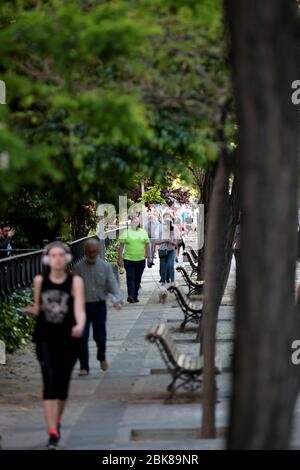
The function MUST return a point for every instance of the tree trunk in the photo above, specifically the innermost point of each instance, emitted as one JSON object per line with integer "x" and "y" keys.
{"x": 233, "y": 215}
{"x": 83, "y": 220}
{"x": 214, "y": 262}
{"x": 264, "y": 51}
{"x": 205, "y": 195}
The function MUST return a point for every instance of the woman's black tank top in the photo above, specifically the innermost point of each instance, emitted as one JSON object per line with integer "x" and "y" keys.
{"x": 56, "y": 317}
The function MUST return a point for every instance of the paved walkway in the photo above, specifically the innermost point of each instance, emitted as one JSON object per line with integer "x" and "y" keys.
{"x": 127, "y": 406}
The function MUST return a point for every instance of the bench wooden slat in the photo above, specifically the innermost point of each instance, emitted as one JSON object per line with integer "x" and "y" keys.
{"x": 185, "y": 369}
{"x": 191, "y": 261}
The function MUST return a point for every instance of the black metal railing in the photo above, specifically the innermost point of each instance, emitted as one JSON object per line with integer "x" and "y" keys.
{"x": 17, "y": 272}
{"x": 16, "y": 251}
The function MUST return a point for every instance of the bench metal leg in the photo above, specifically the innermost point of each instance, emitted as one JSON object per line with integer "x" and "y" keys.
{"x": 170, "y": 387}
{"x": 190, "y": 382}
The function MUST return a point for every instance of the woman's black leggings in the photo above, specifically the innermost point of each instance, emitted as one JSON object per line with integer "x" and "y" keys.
{"x": 57, "y": 361}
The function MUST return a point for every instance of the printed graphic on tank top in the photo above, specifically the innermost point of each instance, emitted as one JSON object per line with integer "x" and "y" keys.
{"x": 55, "y": 305}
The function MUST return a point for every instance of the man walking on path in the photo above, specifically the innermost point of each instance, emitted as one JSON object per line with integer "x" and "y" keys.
{"x": 99, "y": 281}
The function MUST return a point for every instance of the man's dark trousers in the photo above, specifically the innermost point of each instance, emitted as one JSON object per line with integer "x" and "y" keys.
{"x": 96, "y": 313}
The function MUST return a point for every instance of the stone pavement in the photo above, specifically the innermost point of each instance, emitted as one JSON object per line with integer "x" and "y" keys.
{"x": 127, "y": 407}
{"x": 130, "y": 407}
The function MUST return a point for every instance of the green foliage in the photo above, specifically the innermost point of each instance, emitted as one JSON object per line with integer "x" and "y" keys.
{"x": 152, "y": 195}
{"x": 111, "y": 251}
{"x": 31, "y": 214}
{"x": 98, "y": 91}
{"x": 21, "y": 158}
{"x": 15, "y": 328}
{"x": 76, "y": 38}
{"x": 59, "y": 112}
{"x": 110, "y": 118}
{"x": 83, "y": 222}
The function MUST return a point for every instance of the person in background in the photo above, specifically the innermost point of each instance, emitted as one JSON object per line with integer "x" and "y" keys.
{"x": 157, "y": 218}
{"x": 167, "y": 245}
{"x": 189, "y": 222}
{"x": 99, "y": 281}
{"x": 59, "y": 309}
{"x": 6, "y": 235}
{"x": 181, "y": 232}
{"x": 133, "y": 249}
{"x": 151, "y": 229}
{"x": 183, "y": 216}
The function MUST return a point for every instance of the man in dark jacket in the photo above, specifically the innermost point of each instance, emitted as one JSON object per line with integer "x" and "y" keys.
{"x": 6, "y": 234}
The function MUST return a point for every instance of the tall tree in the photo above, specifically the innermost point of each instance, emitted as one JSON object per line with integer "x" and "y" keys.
{"x": 136, "y": 86}
{"x": 221, "y": 223}
{"x": 214, "y": 260}
{"x": 265, "y": 62}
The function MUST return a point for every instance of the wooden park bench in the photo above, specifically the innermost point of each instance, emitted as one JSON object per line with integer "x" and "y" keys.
{"x": 186, "y": 371}
{"x": 193, "y": 253}
{"x": 192, "y": 313}
{"x": 195, "y": 287}
{"x": 193, "y": 265}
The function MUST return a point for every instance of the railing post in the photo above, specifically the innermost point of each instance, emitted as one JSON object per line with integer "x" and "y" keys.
{"x": 102, "y": 248}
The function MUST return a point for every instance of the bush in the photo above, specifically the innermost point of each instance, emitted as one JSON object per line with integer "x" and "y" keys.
{"x": 15, "y": 328}
{"x": 111, "y": 252}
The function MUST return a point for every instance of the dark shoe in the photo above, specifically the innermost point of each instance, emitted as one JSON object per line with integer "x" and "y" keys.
{"x": 130, "y": 300}
{"x": 136, "y": 299}
{"x": 104, "y": 365}
{"x": 53, "y": 442}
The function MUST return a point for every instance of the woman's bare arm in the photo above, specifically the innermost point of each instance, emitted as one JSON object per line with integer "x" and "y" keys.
{"x": 37, "y": 285}
{"x": 33, "y": 310}
{"x": 79, "y": 306}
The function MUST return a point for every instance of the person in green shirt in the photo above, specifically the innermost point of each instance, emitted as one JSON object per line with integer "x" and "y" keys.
{"x": 136, "y": 244}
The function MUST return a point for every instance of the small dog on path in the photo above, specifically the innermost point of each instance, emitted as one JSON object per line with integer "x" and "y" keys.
{"x": 163, "y": 295}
